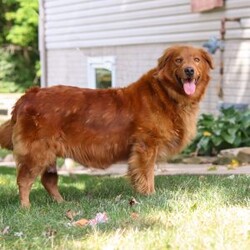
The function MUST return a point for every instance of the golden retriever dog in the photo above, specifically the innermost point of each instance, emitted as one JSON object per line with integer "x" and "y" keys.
{"x": 150, "y": 118}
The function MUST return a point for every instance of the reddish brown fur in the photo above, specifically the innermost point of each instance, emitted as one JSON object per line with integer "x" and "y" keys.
{"x": 139, "y": 123}
{"x": 5, "y": 135}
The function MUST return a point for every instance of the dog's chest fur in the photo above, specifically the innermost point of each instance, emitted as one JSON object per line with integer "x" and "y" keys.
{"x": 178, "y": 130}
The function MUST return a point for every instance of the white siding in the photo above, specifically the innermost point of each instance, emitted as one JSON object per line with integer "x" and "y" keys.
{"x": 118, "y": 22}
{"x": 136, "y": 32}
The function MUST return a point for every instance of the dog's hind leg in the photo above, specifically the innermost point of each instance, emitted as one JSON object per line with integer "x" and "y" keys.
{"x": 32, "y": 160}
{"x": 141, "y": 168}
{"x": 49, "y": 180}
{"x": 26, "y": 175}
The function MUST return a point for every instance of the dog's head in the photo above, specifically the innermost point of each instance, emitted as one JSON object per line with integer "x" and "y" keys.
{"x": 185, "y": 69}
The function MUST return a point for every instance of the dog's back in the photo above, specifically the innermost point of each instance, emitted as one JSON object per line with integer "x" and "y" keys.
{"x": 93, "y": 127}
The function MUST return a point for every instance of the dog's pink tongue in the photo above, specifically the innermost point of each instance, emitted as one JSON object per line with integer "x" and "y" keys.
{"x": 189, "y": 87}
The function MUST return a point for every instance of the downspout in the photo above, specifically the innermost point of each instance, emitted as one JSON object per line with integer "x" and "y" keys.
{"x": 222, "y": 34}
{"x": 42, "y": 45}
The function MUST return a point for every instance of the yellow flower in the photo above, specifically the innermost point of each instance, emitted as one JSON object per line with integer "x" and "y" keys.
{"x": 233, "y": 164}
{"x": 212, "y": 168}
{"x": 206, "y": 133}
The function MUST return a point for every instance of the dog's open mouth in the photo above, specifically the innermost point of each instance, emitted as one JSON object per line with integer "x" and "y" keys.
{"x": 189, "y": 85}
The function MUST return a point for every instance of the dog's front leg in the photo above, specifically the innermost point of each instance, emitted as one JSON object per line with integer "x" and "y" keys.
{"x": 141, "y": 167}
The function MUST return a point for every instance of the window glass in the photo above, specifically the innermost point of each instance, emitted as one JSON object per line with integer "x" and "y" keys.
{"x": 103, "y": 78}
{"x": 101, "y": 72}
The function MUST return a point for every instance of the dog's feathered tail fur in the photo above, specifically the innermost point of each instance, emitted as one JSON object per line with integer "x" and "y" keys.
{"x": 6, "y": 135}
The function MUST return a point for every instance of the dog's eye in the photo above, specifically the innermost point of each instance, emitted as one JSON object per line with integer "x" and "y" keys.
{"x": 197, "y": 59}
{"x": 178, "y": 60}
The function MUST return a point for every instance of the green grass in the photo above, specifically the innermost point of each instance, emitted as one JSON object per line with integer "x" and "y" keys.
{"x": 4, "y": 152}
{"x": 187, "y": 212}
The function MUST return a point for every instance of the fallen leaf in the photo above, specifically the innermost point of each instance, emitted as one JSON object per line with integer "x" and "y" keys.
{"x": 134, "y": 216}
{"x": 193, "y": 207}
{"x": 69, "y": 224}
{"x": 89, "y": 195}
{"x": 233, "y": 164}
{"x": 5, "y": 231}
{"x": 81, "y": 223}
{"x": 18, "y": 234}
{"x": 118, "y": 198}
{"x": 50, "y": 232}
{"x": 133, "y": 202}
{"x": 212, "y": 168}
{"x": 202, "y": 177}
{"x": 99, "y": 218}
{"x": 70, "y": 214}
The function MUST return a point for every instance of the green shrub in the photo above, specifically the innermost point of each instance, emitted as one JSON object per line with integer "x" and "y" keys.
{"x": 16, "y": 72}
{"x": 19, "y": 55}
{"x": 229, "y": 130}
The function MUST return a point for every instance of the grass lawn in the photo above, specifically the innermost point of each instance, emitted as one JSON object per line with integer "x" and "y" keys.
{"x": 4, "y": 152}
{"x": 187, "y": 212}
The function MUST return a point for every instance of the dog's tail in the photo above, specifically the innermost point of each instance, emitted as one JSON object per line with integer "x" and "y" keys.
{"x": 6, "y": 135}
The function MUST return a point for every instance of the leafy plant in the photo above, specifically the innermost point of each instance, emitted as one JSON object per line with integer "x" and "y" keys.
{"x": 16, "y": 73}
{"x": 19, "y": 56}
{"x": 24, "y": 23}
{"x": 229, "y": 130}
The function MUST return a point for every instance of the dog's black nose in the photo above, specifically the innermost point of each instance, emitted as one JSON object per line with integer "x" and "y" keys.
{"x": 189, "y": 71}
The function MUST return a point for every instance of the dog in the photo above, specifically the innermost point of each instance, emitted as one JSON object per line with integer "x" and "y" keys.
{"x": 153, "y": 117}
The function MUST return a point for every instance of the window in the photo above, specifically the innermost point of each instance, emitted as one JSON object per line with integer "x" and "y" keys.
{"x": 101, "y": 72}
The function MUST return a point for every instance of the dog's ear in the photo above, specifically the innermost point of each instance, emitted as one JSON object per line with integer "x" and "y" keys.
{"x": 208, "y": 58}
{"x": 162, "y": 61}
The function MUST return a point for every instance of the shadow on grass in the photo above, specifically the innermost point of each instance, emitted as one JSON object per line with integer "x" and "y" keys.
{"x": 77, "y": 187}
{"x": 92, "y": 194}
{"x": 233, "y": 190}
{"x": 7, "y": 171}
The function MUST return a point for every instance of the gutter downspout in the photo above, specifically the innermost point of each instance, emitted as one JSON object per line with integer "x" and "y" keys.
{"x": 42, "y": 45}
{"x": 222, "y": 49}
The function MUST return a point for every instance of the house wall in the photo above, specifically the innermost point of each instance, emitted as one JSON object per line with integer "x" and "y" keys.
{"x": 136, "y": 33}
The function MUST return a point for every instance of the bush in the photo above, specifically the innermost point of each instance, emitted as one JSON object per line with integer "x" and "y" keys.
{"x": 16, "y": 73}
{"x": 19, "y": 55}
{"x": 230, "y": 129}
